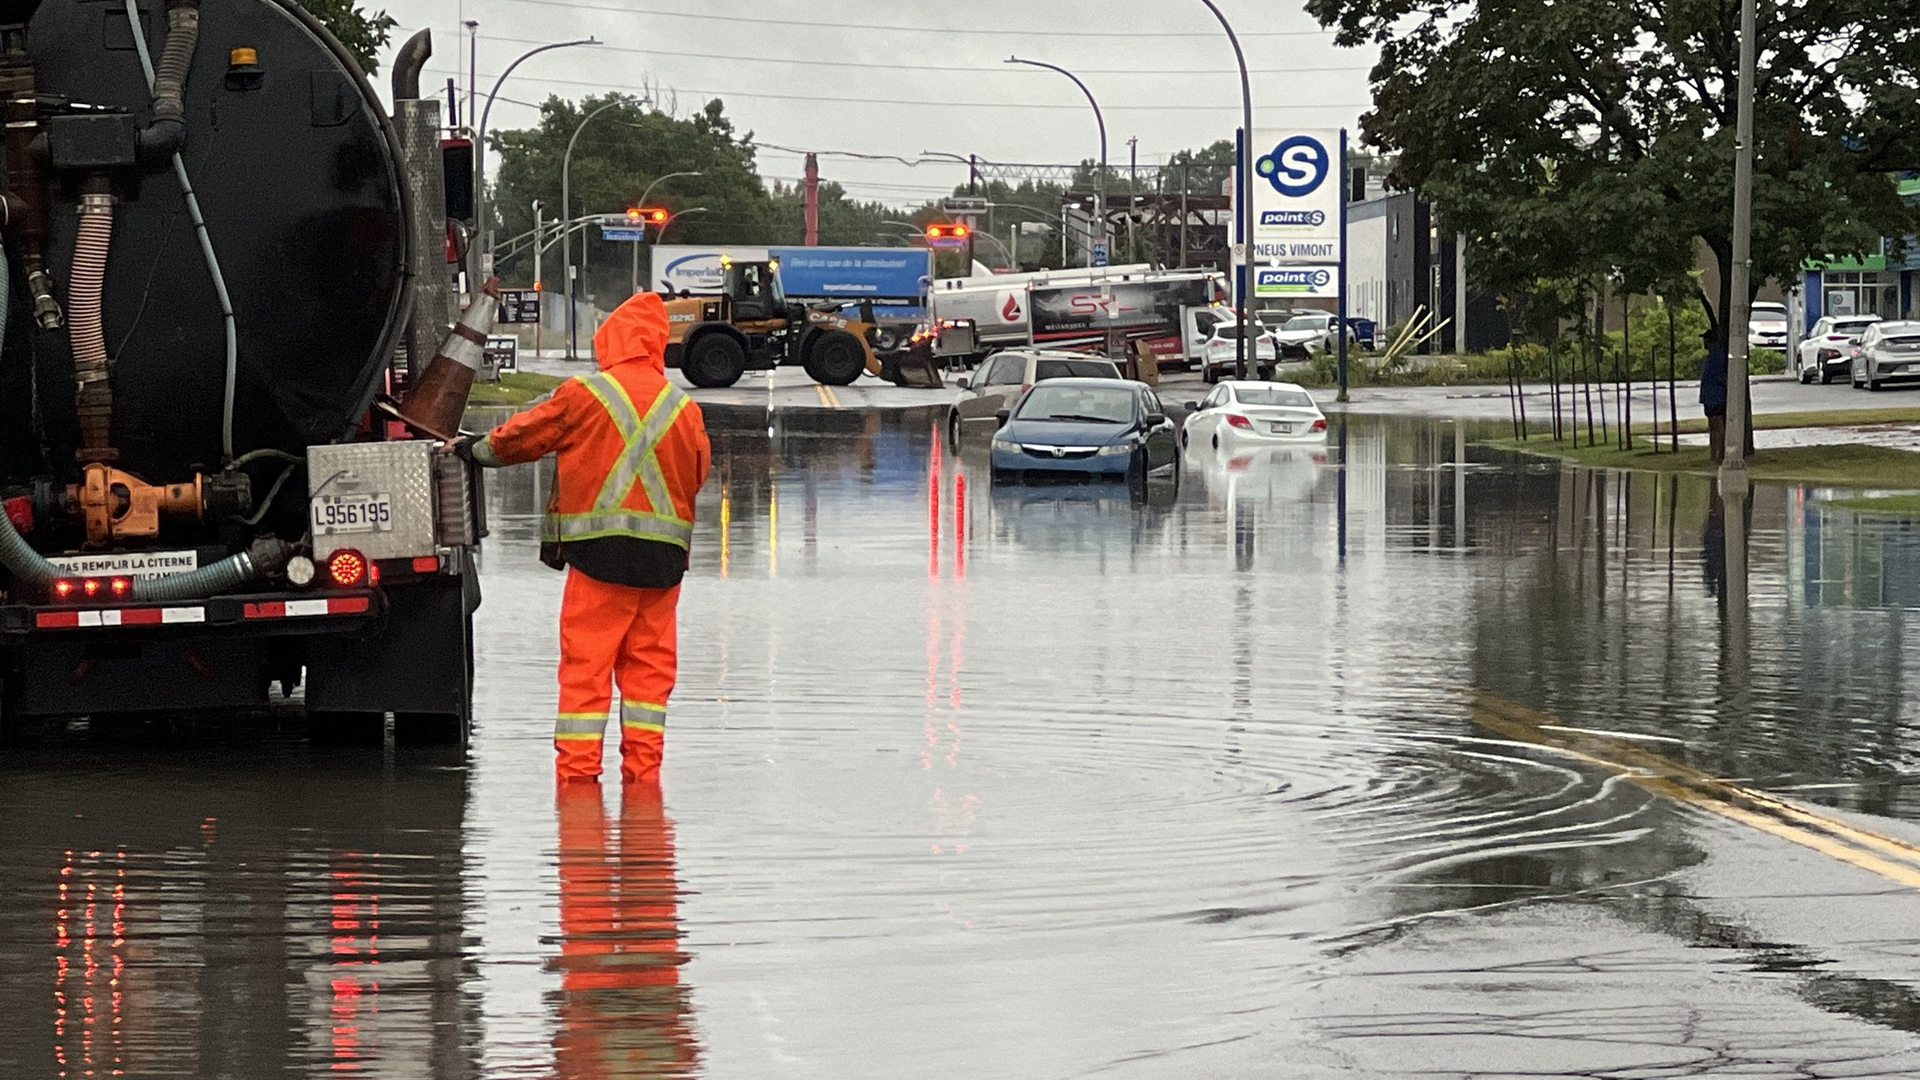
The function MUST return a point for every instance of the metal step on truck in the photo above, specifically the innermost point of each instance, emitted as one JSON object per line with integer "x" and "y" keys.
{"x": 225, "y": 284}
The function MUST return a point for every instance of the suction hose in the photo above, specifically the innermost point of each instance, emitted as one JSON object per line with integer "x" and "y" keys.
{"x": 264, "y": 557}
{"x": 93, "y": 398}
{"x": 168, "y": 132}
{"x": 28, "y": 567}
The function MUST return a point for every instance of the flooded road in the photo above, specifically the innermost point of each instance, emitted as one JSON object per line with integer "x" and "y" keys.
{"x": 1401, "y": 758}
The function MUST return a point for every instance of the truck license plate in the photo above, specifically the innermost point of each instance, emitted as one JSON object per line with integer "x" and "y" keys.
{"x": 335, "y": 514}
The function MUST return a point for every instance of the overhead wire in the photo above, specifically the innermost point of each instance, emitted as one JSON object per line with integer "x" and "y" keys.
{"x": 871, "y": 27}
{"x": 922, "y": 103}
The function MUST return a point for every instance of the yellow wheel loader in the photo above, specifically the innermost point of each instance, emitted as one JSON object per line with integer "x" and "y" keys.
{"x": 752, "y": 326}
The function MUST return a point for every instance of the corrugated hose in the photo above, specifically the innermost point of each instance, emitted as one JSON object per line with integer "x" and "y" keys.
{"x": 31, "y": 568}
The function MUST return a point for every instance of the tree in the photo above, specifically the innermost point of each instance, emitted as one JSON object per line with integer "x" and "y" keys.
{"x": 617, "y": 157}
{"x": 361, "y": 33}
{"x": 1576, "y": 138}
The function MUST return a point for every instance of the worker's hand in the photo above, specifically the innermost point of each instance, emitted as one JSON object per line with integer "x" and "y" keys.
{"x": 461, "y": 448}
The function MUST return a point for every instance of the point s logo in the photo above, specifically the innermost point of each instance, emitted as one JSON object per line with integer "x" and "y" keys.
{"x": 1297, "y": 166}
{"x": 1010, "y": 311}
{"x": 1314, "y": 218}
{"x": 1293, "y": 279}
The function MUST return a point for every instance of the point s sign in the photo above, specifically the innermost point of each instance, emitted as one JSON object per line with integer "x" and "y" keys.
{"x": 1296, "y": 186}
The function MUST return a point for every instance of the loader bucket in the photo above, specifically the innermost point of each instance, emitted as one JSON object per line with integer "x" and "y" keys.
{"x": 913, "y": 367}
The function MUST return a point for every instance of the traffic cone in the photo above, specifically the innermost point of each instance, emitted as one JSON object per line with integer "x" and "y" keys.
{"x": 437, "y": 402}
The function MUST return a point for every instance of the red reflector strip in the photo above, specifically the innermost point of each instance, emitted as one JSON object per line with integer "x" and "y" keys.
{"x": 426, "y": 564}
{"x": 57, "y": 620}
{"x": 294, "y": 609}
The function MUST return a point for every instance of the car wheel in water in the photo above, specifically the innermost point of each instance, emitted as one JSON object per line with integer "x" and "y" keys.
{"x": 953, "y": 431}
{"x": 1216, "y": 442}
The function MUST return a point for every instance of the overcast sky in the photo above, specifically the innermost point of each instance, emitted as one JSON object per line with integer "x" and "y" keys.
{"x": 885, "y": 77}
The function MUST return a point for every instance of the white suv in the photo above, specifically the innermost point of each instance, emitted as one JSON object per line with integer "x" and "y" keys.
{"x": 1825, "y": 355}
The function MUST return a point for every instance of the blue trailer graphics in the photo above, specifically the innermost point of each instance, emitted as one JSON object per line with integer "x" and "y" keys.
{"x": 808, "y": 273}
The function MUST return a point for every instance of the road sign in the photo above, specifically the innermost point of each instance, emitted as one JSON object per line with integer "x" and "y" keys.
{"x": 1296, "y": 196}
{"x": 1100, "y": 253}
{"x": 965, "y": 204}
{"x": 519, "y": 306}
{"x": 634, "y": 235}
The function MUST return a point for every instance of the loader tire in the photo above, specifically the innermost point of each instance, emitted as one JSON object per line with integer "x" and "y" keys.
{"x": 715, "y": 362}
{"x": 836, "y": 359}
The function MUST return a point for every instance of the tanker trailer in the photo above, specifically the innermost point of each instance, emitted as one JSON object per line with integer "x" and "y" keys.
{"x": 216, "y": 244}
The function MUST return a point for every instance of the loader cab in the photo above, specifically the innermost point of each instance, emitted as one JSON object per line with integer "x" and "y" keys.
{"x": 754, "y": 288}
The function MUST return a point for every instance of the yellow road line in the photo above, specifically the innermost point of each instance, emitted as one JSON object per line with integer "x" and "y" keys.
{"x": 820, "y": 389}
{"x": 1893, "y": 859}
{"x": 833, "y": 399}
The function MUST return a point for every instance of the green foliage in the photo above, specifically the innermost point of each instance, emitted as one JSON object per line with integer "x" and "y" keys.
{"x": 361, "y": 33}
{"x": 1574, "y": 139}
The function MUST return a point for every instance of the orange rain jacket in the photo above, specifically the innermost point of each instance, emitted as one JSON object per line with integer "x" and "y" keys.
{"x": 632, "y": 451}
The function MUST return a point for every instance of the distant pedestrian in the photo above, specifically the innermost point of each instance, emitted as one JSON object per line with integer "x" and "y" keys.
{"x": 1713, "y": 395}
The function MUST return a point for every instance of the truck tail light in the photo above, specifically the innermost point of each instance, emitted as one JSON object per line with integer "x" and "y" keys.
{"x": 1241, "y": 422}
{"x": 63, "y": 588}
{"x": 347, "y": 568}
{"x": 19, "y": 510}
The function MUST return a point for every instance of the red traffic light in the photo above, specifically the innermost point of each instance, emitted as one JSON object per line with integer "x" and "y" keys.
{"x": 938, "y": 231}
{"x": 649, "y": 215}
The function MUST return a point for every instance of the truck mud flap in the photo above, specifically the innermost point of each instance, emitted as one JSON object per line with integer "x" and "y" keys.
{"x": 419, "y": 659}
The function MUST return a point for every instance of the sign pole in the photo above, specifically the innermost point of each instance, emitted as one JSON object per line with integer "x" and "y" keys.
{"x": 1243, "y": 274}
{"x": 1340, "y": 327}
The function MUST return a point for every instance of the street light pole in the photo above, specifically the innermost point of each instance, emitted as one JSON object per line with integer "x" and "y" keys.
{"x": 539, "y": 294}
{"x": 480, "y": 155}
{"x": 566, "y": 238}
{"x": 1244, "y": 197}
{"x": 1100, "y": 185}
{"x": 1733, "y": 465}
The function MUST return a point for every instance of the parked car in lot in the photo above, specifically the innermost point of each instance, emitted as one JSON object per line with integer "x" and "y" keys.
{"x": 1889, "y": 353}
{"x": 1767, "y": 326}
{"x": 1825, "y": 355}
{"x": 1309, "y": 334}
{"x": 1220, "y": 356}
{"x": 1255, "y": 413}
{"x": 1085, "y": 427}
{"x": 1003, "y": 377}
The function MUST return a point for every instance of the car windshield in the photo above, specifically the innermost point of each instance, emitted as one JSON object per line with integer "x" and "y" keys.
{"x": 1308, "y": 322}
{"x": 1230, "y": 331}
{"x": 1852, "y": 326}
{"x": 1085, "y": 404}
{"x": 1272, "y": 395}
{"x": 1073, "y": 369}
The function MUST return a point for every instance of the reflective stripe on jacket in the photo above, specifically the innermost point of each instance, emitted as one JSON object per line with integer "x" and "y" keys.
{"x": 632, "y": 452}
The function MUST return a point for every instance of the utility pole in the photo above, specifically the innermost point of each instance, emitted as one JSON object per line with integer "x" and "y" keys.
{"x": 1733, "y": 466}
{"x": 1133, "y": 193}
{"x": 811, "y": 207}
{"x": 539, "y": 285}
{"x": 973, "y": 188}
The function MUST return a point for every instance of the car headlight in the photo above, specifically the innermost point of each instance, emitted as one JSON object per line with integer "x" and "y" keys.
{"x": 1113, "y": 449}
{"x": 1006, "y": 444}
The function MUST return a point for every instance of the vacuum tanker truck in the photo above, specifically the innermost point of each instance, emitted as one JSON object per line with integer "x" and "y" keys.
{"x": 226, "y": 360}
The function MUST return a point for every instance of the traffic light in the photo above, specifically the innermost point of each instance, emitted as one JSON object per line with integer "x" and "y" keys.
{"x": 938, "y": 231}
{"x": 647, "y": 215}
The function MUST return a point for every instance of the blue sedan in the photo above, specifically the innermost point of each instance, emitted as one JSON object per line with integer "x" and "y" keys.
{"x": 1098, "y": 427}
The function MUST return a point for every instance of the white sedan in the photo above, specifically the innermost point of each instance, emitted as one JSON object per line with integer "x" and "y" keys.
{"x": 1254, "y": 414}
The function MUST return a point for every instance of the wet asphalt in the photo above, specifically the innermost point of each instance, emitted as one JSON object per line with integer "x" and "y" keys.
{"x": 1398, "y": 758}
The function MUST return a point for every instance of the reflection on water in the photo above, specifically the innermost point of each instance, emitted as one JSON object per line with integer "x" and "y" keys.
{"x": 1040, "y": 780}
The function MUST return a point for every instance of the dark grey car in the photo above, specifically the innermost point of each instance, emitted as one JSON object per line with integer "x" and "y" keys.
{"x": 1001, "y": 378}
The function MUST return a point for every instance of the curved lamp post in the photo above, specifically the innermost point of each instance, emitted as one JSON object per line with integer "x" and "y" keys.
{"x": 1100, "y": 186}
{"x": 566, "y": 238}
{"x": 1244, "y": 199}
{"x": 480, "y": 148}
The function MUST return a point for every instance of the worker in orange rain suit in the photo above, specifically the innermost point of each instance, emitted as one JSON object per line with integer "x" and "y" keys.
{"x": 621, "y": 1010}
{"x": 633, "y": 452}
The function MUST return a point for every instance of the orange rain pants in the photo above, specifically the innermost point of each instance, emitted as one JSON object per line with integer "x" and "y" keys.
{"x": 622, "y": 1011}
{"x": 609, "y": 633}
